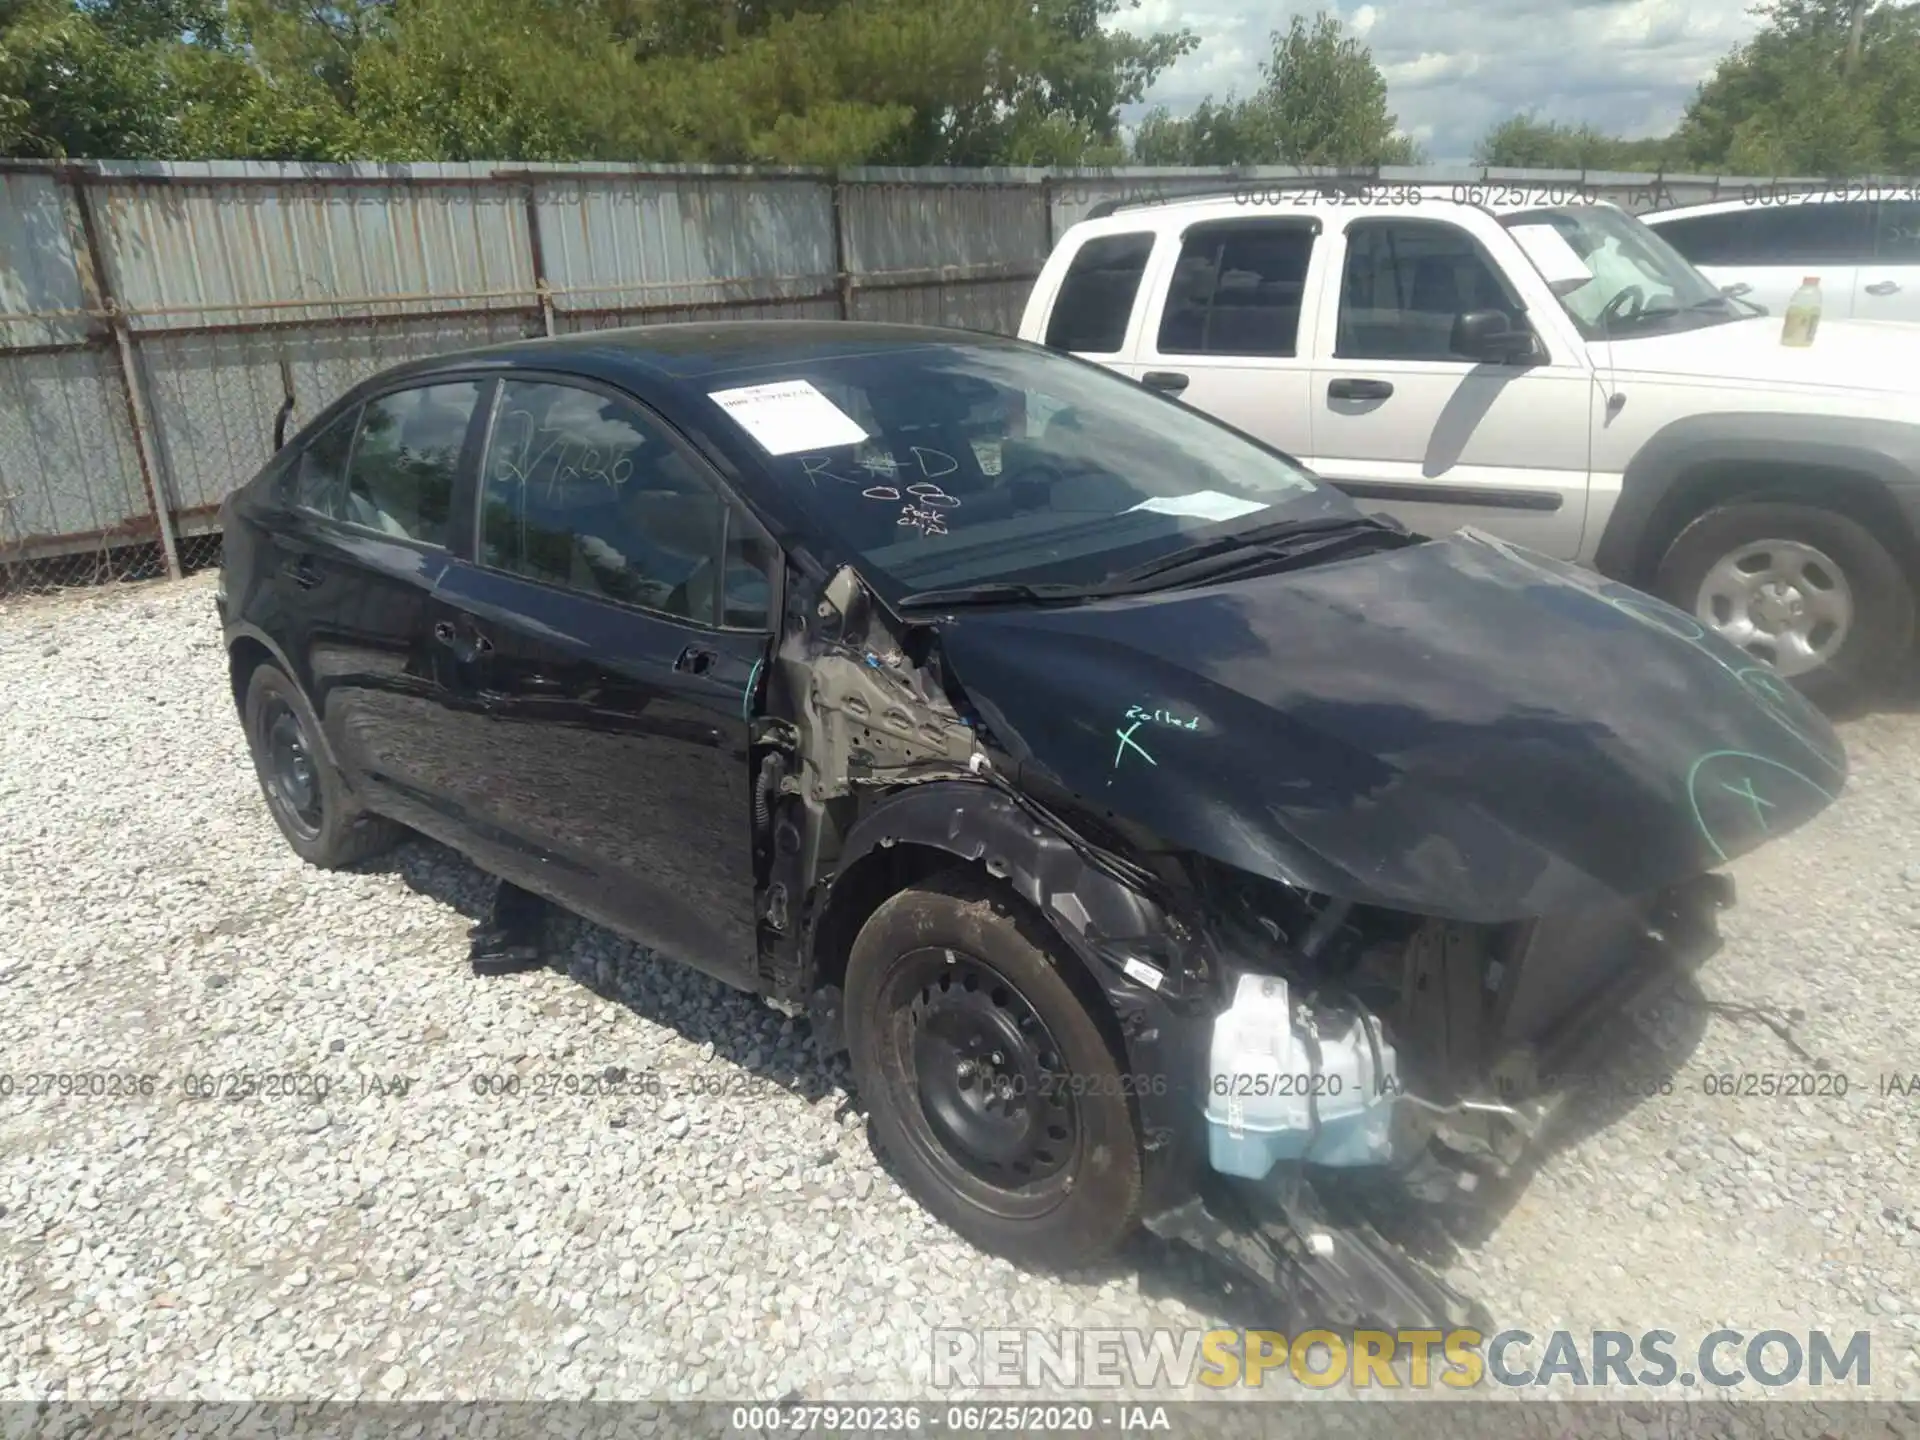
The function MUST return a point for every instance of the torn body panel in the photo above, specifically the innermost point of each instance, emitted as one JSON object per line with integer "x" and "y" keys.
{"x": 1306, "y": 1035}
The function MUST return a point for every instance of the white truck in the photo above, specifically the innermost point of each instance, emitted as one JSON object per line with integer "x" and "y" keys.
{"x": 1539, "y": 365}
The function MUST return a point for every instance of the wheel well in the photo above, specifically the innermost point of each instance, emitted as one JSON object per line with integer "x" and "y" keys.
{"x": 246, "y": 656}
{"x": 1848, "y": 492}
{"x": 860, "y": 890}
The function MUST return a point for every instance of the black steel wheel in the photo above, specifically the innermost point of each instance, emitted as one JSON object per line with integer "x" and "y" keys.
{"x": 292, "y": 781}
{"x": 306, "y": 795}
{"x": 987, "y": 1078}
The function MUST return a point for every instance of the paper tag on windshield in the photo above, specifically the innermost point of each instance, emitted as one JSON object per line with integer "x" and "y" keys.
{"x": 789, "y": 416}
{"x": 1201, "y": 505}
{"x": 1557, "y": 261}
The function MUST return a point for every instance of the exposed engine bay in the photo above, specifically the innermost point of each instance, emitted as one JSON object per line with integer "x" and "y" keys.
{"x": 1316, "y": 1046}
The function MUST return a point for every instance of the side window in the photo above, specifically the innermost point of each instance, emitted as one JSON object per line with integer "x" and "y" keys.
{"x": 1709, "y": 239}
{"x": 1096, "y": 298}
{"x": 319, "y": 473}
{"x": 588, "y": 492}
{"x": 1236, "y": 290}
{"x": 1809, "y": 234}
{"x": 1896, "y": 238}
{"x": 401, "y": 478}
{"x": 1406, "y": 282}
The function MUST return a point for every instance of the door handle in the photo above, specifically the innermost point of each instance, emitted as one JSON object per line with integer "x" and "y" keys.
{"x": 694, "y": 660}
{"x": 302, "y": 573}
{"x": 1169, "y": 382}
{"x": 475, "y": 644}
{"x": 1358, "y": 389}
{"x": 1883, "y": 287}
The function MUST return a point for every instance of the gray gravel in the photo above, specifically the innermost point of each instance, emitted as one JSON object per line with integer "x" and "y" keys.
{"x": 729, "y": 1234}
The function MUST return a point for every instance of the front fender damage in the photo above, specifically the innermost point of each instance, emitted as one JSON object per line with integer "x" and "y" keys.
{"x": 1238, "y": 999}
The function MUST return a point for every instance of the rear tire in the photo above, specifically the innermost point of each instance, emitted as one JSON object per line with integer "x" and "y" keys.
{"x": 1837, "y": 601}
{"x": 986, "y": 1078}
{"x": 305, "y": 793}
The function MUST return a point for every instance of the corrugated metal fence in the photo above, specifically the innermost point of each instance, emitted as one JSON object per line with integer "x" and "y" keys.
{"x": 153, "y": 316}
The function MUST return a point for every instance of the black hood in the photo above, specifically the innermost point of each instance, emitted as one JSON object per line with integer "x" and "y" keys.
{"x": 1457, "y": 728}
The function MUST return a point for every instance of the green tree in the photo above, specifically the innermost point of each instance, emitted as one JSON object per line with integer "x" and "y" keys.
{"x": 1787, "y": 102}
{"x": 789, "y": 81}
{"x": 1528, "y": 142}
{"x": 1321, "y": 101}
{"x": 81, "y": 81}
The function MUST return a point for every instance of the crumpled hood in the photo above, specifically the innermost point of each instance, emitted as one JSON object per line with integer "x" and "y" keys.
{"x": 1845, "y": 354}
{"x": 1456, "y": 728}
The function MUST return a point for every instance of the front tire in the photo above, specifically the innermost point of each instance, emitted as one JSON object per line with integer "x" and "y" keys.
{"x": 306, "y": 795}
{"x": 987, "y": 1080}
{"x": 1803, "y": 589}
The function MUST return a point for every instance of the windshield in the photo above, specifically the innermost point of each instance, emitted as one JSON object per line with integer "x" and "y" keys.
{"x": 1638, "y": 285}
{"x": 996, "y": 463}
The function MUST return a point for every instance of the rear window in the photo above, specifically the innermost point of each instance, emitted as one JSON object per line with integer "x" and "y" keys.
{"x": 1095, "y": 300}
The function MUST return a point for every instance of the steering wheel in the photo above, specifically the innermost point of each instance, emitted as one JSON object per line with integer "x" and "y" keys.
{"x": 1624, "y": 306}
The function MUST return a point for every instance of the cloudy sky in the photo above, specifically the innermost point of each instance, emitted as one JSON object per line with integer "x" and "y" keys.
{"x": 1454, "y": 67}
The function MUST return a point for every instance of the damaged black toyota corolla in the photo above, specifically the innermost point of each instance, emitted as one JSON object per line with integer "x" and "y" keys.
{"x": 1168, "y": 841}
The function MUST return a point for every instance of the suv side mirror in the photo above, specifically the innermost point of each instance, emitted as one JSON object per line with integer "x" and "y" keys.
{"x": 1488, "y": 335}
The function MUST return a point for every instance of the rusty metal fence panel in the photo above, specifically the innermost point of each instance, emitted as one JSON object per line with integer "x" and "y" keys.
{"x": 154, "y": 316}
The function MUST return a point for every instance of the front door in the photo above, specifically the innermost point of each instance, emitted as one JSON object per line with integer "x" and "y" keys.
{"x": 595, "y": 669}
{"x": 1888, "y": 286}
{"x": 1404, "y": 423}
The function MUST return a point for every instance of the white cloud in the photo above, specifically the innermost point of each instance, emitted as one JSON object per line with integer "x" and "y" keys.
{"x": 1454, "y": 69}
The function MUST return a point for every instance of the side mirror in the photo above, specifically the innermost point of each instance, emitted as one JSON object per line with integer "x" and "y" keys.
{"x": 1736, "y": 290}
{"x": 1490, "y": 336}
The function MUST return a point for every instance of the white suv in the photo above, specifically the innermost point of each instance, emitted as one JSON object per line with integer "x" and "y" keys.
{"x": 1865, "y": 252}
{"x": 1545, "y": 368}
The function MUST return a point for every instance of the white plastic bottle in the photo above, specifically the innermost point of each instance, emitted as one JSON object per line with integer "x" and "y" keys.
{"x": 1803, "y": 314}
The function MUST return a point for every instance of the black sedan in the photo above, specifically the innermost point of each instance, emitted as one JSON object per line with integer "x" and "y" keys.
{"x": 1167, "y": 840}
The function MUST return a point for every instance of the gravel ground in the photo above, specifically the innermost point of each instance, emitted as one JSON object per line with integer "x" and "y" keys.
{"x": 729, "y": 1234}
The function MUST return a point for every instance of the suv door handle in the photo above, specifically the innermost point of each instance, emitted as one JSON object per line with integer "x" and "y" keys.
{"x": 694, "y": 660}
{"x": 1170, "y": 382}
{"x": 1883, "y": 287}
{"x": 1358, "y": 390}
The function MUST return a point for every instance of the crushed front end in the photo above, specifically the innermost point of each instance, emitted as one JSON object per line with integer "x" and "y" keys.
{"x": 1366, "y": 1065}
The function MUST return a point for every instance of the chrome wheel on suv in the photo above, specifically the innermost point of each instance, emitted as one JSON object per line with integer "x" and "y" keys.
{"x": 1806, "y": 590}
{"x": 1782, "y": 601}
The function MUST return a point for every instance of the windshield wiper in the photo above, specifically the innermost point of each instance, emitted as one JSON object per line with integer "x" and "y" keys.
{"x": 1260, "y": 546}
{"x": 993, "y": 592}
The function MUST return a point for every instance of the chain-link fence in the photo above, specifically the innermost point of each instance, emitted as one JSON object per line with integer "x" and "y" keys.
{"x": 155, "y": 318}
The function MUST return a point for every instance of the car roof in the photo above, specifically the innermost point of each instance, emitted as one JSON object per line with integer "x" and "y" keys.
{"x": 1764, "y": 200}
{"x": 649, "y": 357}
{"x": 1249, "y": 200}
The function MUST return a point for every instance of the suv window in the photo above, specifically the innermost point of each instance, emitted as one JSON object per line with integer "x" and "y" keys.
{"x": 1896, "y": 238}
{"x": 1236, "y": 290}
{"x": 1406, "y": 282}
{"x": 319, "y": 474}
{"x": 588, "y": 492}
{"x": 1794, "y": 234}
{"x": 400, "y": 480}
{"x": 1096, "y": 298}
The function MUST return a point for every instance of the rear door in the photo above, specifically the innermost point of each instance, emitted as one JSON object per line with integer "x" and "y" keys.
{"x": 594, "y": 657}
{"x": 1403, "y": 422}
{"x": 365, "y": 539}
{"x": 1223, "y": 330}
{"x": 1888, "y": 286}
